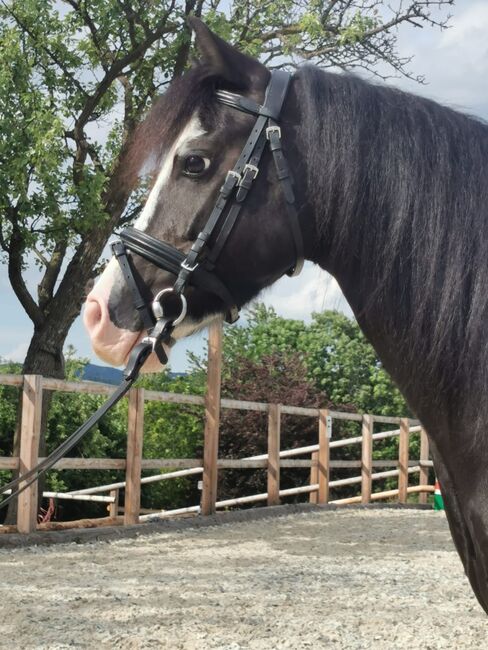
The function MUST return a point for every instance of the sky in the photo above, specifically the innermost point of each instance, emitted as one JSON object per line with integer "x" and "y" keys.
{"x": 455, "y": 65}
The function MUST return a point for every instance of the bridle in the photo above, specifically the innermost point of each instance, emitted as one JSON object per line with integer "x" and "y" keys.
{"x": 198, "y": 267}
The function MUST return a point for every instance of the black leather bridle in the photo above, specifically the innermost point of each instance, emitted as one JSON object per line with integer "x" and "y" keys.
{"x": 197, "y": 268}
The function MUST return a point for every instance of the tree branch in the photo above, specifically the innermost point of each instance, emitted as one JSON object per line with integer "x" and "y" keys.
{"x": 93, "y": 31}
{"x": 53, "y": 266}
{"x": 117, "y": 68}
{"x": 15, "y": 261}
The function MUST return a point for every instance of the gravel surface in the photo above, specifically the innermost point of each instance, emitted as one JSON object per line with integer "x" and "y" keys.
{"x": 382, "y": 579}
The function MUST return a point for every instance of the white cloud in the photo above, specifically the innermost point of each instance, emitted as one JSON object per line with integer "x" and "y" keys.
{"x": 312, "y": 291}
{"x": 454, "y": 61}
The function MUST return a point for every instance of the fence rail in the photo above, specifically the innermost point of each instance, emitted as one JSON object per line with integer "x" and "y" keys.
{"x": 319, "y": 461}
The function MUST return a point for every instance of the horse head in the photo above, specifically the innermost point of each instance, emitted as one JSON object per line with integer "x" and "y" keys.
{"x": 189, "y": 142}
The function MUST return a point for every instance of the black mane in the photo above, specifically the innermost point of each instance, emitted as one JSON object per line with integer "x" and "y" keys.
{"x": 399, "y": 185}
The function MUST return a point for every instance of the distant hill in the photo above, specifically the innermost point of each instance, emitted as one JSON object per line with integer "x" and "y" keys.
{"x": 100, "y": 374}
{"x": 107, "y": 375}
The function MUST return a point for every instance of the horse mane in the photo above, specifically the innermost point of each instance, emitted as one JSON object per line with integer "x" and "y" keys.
{"x": 399, "y": 186}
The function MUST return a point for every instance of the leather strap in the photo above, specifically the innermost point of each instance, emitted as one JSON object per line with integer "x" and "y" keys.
{"x": 286, "y": 180}
{"x": 120, "y": 253}
{"x": 242, "y": 175}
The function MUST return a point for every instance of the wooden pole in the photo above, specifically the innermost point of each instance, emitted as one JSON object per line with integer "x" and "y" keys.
{"x": 403, "y": 460}
{"x": 212, "y": 419}
{"x": 314, "y": 475}
{"x": 113, "y": 509}
{"x": 30, "y": 433}
{"x": 366, "y": 458}
{"x": 424, "y": 471}
{"x": 274, "y": 431}
{"x": 135, "y": 434}
{"x": 376, "y": 496}
{"x": 325, "y": 433}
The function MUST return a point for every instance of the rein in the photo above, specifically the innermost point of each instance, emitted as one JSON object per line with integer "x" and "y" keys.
{"x": 197, "y": 268}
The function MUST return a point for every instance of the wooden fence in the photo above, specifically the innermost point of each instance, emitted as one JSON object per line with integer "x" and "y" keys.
{"x": 319, "y": 463}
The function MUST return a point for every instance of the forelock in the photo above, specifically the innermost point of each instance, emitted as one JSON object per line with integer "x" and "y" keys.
{"x": 193, "y": 93}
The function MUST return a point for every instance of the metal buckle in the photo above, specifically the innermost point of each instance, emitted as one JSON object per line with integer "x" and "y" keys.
{"x": 234, "y": 174}
{"x": 158, "y": 310}
{"x": 152, "y": 340}
{"x": 252, "y": 168}
{"x": 188, "y": 268}
{"x": 273, "y": 129}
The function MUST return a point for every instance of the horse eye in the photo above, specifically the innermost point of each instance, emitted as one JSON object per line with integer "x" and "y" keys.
{"x": 195, "y": 165}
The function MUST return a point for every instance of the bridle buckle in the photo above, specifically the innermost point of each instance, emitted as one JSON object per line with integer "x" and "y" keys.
{"x": 233, "y": 174}
{"x": 251, "y": 168}
{"x": 187, "y": 267}
{"x": 273, "y": 129}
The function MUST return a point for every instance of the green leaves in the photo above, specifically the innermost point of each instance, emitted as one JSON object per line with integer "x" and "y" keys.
{"x": 337, "y": 357}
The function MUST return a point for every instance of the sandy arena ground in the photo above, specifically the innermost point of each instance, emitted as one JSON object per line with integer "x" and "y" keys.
{"x": 348, "y": 579}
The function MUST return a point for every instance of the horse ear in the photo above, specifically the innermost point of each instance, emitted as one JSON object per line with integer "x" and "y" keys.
{"x": 234, "y": 68}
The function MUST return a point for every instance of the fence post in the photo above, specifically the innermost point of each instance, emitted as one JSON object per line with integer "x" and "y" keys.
{"x": 113, "y": 508}
{"x": 424, "y": 471}
{"x": 314, "y": 476}
{"x": 366, "y": 458}
{"x": 403, "y": 460}
{"x": 212, "y": 419}
{"x": 30, "y": 433}
{"x": 325, "y": 424}
{"x": 274, "y": 431}
{"x": 135, "y": 435}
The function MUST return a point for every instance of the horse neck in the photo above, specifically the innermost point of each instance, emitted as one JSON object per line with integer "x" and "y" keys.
{"x": 387, "y": 177}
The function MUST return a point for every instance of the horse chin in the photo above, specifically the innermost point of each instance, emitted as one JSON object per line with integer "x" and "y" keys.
{"x": 189, "y": 326}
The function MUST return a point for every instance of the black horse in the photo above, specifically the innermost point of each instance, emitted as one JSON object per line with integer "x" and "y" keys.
{"x": 392, "y": 196}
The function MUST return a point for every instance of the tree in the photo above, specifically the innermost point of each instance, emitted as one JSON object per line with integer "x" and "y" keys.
{"x": 76, "y": 76}
{"x": 337, "y": 357}
{"x": 276, "y": 377}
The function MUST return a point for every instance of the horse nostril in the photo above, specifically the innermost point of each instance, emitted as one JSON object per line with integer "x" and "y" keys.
{"x": 93, "y": 314}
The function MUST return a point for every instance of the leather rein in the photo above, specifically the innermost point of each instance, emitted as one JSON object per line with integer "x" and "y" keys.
{"x": 197, "y": 268}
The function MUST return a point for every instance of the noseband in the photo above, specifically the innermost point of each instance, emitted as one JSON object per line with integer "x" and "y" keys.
{"x": 197, "y": 268}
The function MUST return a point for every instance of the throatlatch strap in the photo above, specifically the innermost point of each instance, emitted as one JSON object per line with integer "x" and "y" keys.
{"x": 286, "y": 180}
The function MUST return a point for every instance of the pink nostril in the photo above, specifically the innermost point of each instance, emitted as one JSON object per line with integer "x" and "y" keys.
{"x": 93, "y": 313}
